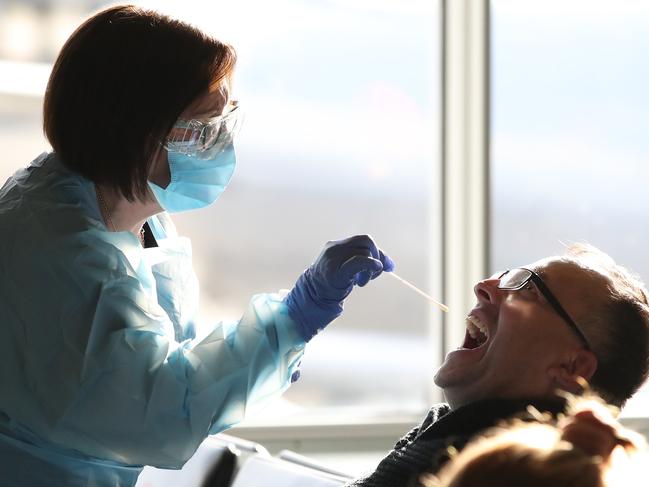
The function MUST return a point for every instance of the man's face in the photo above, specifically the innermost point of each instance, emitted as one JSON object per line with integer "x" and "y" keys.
{"x": 525, "y": 337}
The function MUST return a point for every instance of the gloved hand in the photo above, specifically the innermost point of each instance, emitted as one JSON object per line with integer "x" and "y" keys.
{"x": 317, "y": 297}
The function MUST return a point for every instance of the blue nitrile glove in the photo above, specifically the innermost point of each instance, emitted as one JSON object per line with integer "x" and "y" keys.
{"x": 317, "y": 297}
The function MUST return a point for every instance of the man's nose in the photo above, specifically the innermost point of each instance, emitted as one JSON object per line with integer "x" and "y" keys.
{"x": 487, "y": 290}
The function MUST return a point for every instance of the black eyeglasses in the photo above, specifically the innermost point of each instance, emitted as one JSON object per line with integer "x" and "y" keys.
{"x": 515, "y": 279}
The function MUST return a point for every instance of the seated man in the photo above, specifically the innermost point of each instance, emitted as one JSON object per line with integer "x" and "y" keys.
{"x": 534, "y": 331}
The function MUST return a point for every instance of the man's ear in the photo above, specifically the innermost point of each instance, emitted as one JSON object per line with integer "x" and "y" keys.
{"x": 575, "y": 364}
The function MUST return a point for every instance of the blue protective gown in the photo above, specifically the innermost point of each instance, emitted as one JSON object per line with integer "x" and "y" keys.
{"x": 102, "y": 369}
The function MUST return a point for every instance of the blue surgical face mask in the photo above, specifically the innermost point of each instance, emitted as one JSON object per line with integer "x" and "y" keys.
{"x": 195, "y": 182}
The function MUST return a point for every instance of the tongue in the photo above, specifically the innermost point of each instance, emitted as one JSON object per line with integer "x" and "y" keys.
{"x": 470, "y": 342}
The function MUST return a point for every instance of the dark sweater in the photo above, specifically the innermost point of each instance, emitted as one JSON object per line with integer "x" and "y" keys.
{"x": 424, "y": 448}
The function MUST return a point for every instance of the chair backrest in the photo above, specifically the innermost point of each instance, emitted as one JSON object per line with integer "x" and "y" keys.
{"x": 291, "y": 456}
{"x": 226, "y": 461}
{"x": 275, "y": 472}
{"x": 213, "y": 465}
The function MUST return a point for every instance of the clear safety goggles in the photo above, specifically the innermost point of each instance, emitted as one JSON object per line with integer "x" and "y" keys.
{"x": 205, "y": 138}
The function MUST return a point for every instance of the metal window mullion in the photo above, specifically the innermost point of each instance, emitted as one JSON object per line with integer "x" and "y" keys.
{"x": 465, "y": 151}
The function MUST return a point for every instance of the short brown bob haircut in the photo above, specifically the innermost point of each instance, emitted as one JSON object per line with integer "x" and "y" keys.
{"x": 118, "y": 85}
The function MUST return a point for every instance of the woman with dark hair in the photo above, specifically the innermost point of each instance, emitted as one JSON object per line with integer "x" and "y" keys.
{"x": 102, "y": 368}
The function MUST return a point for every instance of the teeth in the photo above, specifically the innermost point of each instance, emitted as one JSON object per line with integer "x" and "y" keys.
{"x": 476, "y": 328}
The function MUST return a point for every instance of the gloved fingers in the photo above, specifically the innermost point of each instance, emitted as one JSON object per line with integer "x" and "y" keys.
{"x": 388, "y": 266}
{"x": 359, "y": 243}
{"x": 388, "y": 263}
{"x": 363, "y": 278}
{"x": 359, "y": 269}
{"x": 365, "y": 242}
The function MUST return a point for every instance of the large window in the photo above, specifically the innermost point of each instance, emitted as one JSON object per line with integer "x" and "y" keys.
{"x": 570, "y": 109}
{"x": 340, "y": 137}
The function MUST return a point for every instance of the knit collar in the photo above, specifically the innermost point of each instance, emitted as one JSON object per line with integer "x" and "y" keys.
{"x": 471, "y": 418}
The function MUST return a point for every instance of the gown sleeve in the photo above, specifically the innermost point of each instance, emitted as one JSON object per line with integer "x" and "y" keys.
{"x": 101, "y": 367}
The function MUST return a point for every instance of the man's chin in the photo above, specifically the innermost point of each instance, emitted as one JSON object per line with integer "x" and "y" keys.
{"x": 444, "y": 377}
{"x": 438, "y": 378}
{"x": 457, "y": 388}
{"x": 459, "y": 366}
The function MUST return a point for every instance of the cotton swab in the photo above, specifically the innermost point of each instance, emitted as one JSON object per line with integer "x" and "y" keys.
{"x": 443, "y": 307}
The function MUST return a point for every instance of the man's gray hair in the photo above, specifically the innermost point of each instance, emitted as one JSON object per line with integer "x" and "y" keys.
{"x": 618, "y": 329}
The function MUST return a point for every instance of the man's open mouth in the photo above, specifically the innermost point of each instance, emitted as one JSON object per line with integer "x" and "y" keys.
{"x": 477, "y": 333}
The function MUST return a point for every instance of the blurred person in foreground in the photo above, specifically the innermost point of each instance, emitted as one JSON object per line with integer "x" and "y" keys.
{"x": 535, "y": 331}
{"x": 585, "y": 448}
{"x": 103, "y": 366}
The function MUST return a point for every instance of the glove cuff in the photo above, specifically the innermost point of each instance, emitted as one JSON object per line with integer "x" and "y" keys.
{"x": 310, "y": 313}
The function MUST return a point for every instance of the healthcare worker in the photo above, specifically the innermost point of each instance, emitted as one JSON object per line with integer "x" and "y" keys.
{"x": 102, "y": 369}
